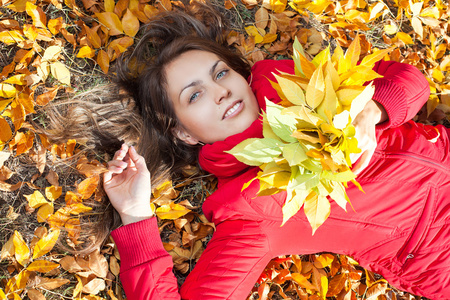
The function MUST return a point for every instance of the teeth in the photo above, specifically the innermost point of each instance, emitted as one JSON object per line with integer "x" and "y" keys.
{"x": 233, "y": 109}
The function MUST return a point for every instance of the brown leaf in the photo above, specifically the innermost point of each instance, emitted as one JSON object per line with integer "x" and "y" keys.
{"x": 98, "y": 264}
{"x": 39, "y": 157}
{"x": 114, "y": 265}
{"x": 6, "y": 187}
{"x": 69, "y": 264}
{"x": 261, "y": 18}
{"x": 35, "y": 295}
{"x": 5, "y": 173}
{"x": 11, "y": 214}
{"x": 50, "y": 283}
{"x": 53, "y": 178}
{"x": 94, "y": 286}
{"x": 7, "y": 249}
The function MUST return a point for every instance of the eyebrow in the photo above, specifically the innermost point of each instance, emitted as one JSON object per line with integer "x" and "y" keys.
{"x": 194, "y": 83}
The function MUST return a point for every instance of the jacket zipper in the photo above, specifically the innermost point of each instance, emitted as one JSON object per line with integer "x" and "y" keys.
{"x": 419, "y": 158}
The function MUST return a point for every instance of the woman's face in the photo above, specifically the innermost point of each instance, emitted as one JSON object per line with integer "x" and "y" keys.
{"x": 211, "y": 101}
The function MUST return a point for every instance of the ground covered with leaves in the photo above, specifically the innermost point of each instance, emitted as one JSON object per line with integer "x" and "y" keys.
{"x": 50, "y": 48}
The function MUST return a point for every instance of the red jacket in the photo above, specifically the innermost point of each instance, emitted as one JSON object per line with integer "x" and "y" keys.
{"x": 399, "y": 229}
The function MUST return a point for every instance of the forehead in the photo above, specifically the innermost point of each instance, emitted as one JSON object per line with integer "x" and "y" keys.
{"x": 191, "y": 62}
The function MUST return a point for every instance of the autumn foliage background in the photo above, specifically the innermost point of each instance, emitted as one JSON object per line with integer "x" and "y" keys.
{"x": 50, "y": 49}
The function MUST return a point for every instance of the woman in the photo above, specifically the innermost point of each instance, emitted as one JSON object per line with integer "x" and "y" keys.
{"x": 194, "y": 99}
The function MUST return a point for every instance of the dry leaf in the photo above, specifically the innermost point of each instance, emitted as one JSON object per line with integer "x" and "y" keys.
{"x": 50, "y": 283}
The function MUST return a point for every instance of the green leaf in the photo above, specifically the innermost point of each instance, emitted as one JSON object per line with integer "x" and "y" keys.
{"x": 255, "y": 152}
{"x": 282, "y": 125}
{"x": 294, "y": 154}
{"x": 298, "y": 51}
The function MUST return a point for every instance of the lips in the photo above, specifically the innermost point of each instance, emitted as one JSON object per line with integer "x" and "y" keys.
{"x": 233, "y": 109}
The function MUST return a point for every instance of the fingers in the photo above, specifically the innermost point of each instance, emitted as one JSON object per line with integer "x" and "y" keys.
{"x": 120, "y": 154}
{"x": 138, "y": 160}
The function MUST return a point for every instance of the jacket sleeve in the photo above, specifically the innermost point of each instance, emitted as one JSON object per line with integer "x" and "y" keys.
{"x": 227, "y": 269}
{"x": 402, "y": 91}
{"x": 146, "y": 267}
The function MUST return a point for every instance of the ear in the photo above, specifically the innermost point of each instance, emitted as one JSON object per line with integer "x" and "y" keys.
{"x": 181, "y": 134}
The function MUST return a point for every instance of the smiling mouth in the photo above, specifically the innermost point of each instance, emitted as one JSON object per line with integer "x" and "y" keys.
{"x": 232, "y": 110}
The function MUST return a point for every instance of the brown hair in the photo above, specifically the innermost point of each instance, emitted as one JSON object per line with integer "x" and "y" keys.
{"x": 143, "y": 115}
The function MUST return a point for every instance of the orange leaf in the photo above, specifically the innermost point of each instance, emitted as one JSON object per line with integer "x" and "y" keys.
{"x": 22, "y": 279}
{"x": 46, "y": 244}
{"x": 36, "y": 13}
{"x": 42, "y": 266}
{"x": 11, "y": 37}
{"x": 88, "y": 186}
{"x": 48, "y": 96}
{"x": 21, "y": 250}
{"x": 111, "y": 21}
{"x": 166, "y": 4}
{"x": 44, "y": 212}
{"x": 404, "y": 37}
{"x": 121, "y": 5}
{"x": 78, "y": 208}
{"x": 323, "y": 260}
{"x": 5, "y": 131}
{"x": 119, "y": 46}
{"x": 86, "y": 51}
{"x": 103, "y": 61}
{"x": 93, "y": 37}
{"x": 36, "y": 199}
{"x": 278, "y": 6}
{"x": 229, "y": 4}
{"x": 109, "y": 5}
{"x": 55, "y": 25}
{"x": 53, "y": 192}
{"x": 171, "y": 211}
{"x": 69, "y": 37}
{"x": 303, "y": 281}
{"x": 130, "y": 23}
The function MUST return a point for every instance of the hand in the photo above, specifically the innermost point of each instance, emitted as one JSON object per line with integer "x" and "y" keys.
{"x": 365, "y": 122}
{"x": 128, "y": 185}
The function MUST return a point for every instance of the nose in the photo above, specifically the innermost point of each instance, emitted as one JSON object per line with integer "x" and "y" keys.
{"x": 221, "y": 92}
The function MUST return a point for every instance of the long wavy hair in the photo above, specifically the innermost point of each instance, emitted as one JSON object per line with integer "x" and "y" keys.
{"x": 135, "y": 107}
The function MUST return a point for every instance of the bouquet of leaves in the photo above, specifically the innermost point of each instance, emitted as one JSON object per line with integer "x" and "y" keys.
{"x": 309, "y": 136}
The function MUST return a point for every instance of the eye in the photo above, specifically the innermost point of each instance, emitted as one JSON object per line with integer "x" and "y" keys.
{"x": 221, "y": 74}
{"x": 193, "y": 97}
